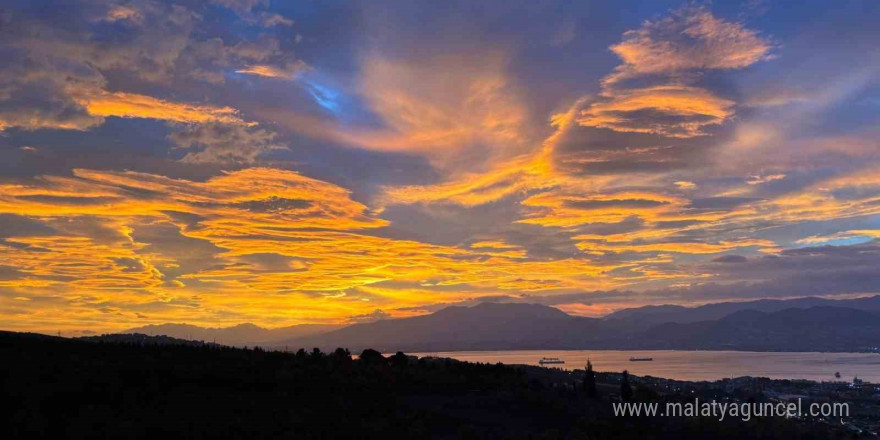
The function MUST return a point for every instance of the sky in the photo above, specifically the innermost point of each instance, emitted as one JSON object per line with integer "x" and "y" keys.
{"x": 326, "y": 161}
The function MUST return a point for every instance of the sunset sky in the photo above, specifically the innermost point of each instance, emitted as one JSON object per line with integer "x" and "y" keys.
{"x": 322, "y": 161}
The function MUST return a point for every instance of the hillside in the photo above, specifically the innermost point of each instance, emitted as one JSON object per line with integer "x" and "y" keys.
{"x": 75, "y": 388}
{"x": 239, "y": 335}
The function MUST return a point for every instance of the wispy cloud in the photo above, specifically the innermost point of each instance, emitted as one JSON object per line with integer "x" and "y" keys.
{"x": 287, "y": 71}
{"x": 127, "y": 105}
{"x": 689, "y": 39}
{"x": 668, "y": 54}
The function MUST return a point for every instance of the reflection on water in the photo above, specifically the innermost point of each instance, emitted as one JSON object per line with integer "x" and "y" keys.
{"x": 696, "y": 365}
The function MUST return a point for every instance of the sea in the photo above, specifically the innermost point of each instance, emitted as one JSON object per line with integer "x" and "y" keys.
{"x": 694, "y": 365}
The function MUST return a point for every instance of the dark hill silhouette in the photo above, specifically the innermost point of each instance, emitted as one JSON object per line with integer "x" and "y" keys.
{"x": 239, "y": 335}
{"x": 144, "y": 340}
{"x": 119, "y": 387}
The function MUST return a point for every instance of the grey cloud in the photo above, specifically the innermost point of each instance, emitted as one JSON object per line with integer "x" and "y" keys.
{"x": 589, "y": 150}
{"x": 271, "y": 262}
{"x": 730, "y": 259}
{"x": 12, "y": 225}
{"x": 454, "y": 225}
{"x": 57, "y": 64}
{"x": 221, "y": 143}
{"x": 826, "y": 271}
{"x": 273, "y": 204}
{"x": 188, "y": 219}
{"x": 70, "y": 200}
{"x": 376, "y": 315}
{"x": 630, "y": 224}
{"x": 35, "y": 92}
{"x": 720, "y": 202}
{"x": 600, "y": 204}
{"x": 102, "y": 230}
{"x": 239, "y": 5}
{"x": 190, "y": 254}
{"x": 129, "y": 264}
{"x": 677, "y": 224}
{"x": 9, "y": 273}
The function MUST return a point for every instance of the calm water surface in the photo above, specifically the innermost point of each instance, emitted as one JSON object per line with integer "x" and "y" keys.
{"x": 696, "y": 365}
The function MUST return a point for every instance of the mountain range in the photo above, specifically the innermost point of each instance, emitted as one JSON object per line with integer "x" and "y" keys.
{"x": 651, "y": 315}
{"x": 803, "y": 324}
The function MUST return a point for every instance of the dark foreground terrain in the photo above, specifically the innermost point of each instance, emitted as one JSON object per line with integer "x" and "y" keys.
{"x": 158, "y": 387}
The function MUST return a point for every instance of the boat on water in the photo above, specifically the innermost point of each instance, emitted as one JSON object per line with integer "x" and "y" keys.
{"x": 546, "y": 360}
{"x": 642, "y": 359}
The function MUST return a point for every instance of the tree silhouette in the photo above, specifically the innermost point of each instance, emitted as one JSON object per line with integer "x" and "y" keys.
{"x": 137, "y": 386}
{"x": 317, "y": 354}
{"x": 626, "y": 391}
{"x": 590, "y": 381}
{"x": 399, "y": 360}
{"x": 370, "y": 356}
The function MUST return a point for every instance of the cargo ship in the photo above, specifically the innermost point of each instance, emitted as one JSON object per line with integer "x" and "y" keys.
{"x": 546, "y": 360}
{"x": 638, "y": 359}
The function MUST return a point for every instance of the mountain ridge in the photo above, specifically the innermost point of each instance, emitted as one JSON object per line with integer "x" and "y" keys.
{"x": 236, "y": 335}
{"x": 650, "y": 315}
{"x": 831, "y": 325}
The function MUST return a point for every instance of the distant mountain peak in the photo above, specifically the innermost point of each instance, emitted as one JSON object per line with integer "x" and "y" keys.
{"x": 487, "y": 325}
{"x": 247, "y": 325}
{"x": 501, "y": 309}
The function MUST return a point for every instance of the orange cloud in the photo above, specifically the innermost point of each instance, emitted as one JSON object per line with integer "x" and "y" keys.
{"x": 691, "y": 38}
{"x": 429, "y": 109}
{"x": 288, "y": 71}
{"x": 594, "y": 245}
{"x": 827, "y": 199}
{"x": 124, "y": 13}
{"x": 533, "y": 171}
{"x": 580, "y": 309}
{"x": 274, "y": 238}
{"x": 557, "y": 208}
{"x": 764, "y": 178}
{"x": 843, "y": 235}
{"x": 649, "y": 110}
{"x": 662, "y": 53}
{"x": 130, "y": 105}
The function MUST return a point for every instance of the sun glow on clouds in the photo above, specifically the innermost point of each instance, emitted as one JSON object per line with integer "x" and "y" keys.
{"x": 314, "y": 226}
{"x": 127, "y": 105}
{"x": 289, "y": 71}
{"x": 667, "y": 53}
{"x": 692, "y": 108}
{"x": 443, "y": 106}
{"x": 485, "y": 172}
